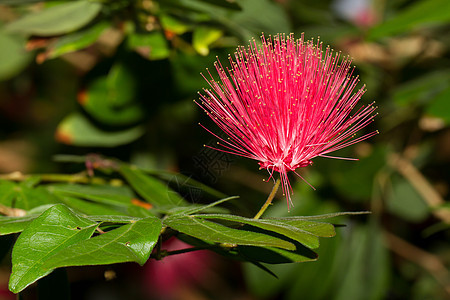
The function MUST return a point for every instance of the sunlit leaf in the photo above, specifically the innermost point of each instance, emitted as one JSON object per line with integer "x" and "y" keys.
{"x": 54, "y": 230}
{"x": 203, "y": 37}
{"x": 76, "y": 130}
{"x": 173, "y": 25}
{"x": 129, "y": 243}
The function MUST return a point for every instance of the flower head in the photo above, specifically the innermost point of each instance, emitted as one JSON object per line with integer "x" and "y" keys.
{"x": 285, "y": 102}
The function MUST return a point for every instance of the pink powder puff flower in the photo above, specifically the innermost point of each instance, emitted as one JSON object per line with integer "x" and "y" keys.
{"x": 284, "y": 102}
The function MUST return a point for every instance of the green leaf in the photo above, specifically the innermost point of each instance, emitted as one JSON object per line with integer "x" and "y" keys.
{"x": 422, "y": 89}
{"x": 300, "y": 231}
{"x": 10, "y": 225}
{"x": 203, "y": 208}
{"x": 109, "y": 99}
{"x": 58, "y": 19}
{"x": 89, "y": 208}
{"x": 31, "y": 181}
{"x": 228, "y": 4}
{"x": 174, "y": 25}
{"x": 404, "y": 201}
{"x": 131, "y": 242}
{"x": 151, "y": 189}
{"x": 195, "y": 5}
{"x": 28, "y": 198}
{"x": 39, "y": 209}
{"x": 216, "y": 233}
{"x": 368, "y": 265}
{"x": 305, "y": 280}
{"x": 418, "y": 14}
{"x": 109, "y": 200}
{"x": 319, "y": 229}
{"x": 121, "y": 85}
{"x": 356, "y": 183}
{"x": 258, "y": 16}
{"x": 186, "y": 210}
{"x": 151, "y": 45}
{"x": 112, "y": 218}
{"x": 183, "y": 181}
{"x": 440, "y": 106}
{"x": 183, "y": 65}
{"x": 140, "y": 212}
{"x": 7, "y": 192}
{"x": 107, "y": 194}
{"x": 13, "y": 56}
{"x": 54, "y": 230}
{"x": 197, "y": 208}
{"x": 76, "y": 130}
{"x": 77, "y": 40}
{"x": 203, "y": 37}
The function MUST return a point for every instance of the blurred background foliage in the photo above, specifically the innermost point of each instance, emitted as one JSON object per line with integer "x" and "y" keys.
{"x": 118, "y": 78}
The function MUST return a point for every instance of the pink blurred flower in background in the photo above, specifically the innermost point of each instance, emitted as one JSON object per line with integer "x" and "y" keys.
{"x": 180, "y": 274}
{"x": 285, "y": 102}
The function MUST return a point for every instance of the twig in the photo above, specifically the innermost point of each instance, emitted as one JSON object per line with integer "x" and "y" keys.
{"x": 422, "y": 186}
{"x": 12, "y": 212}
{"x": 71, "y": 178}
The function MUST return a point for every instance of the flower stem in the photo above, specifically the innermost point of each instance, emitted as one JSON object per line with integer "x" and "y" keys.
{"x": 269, "y": 199}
